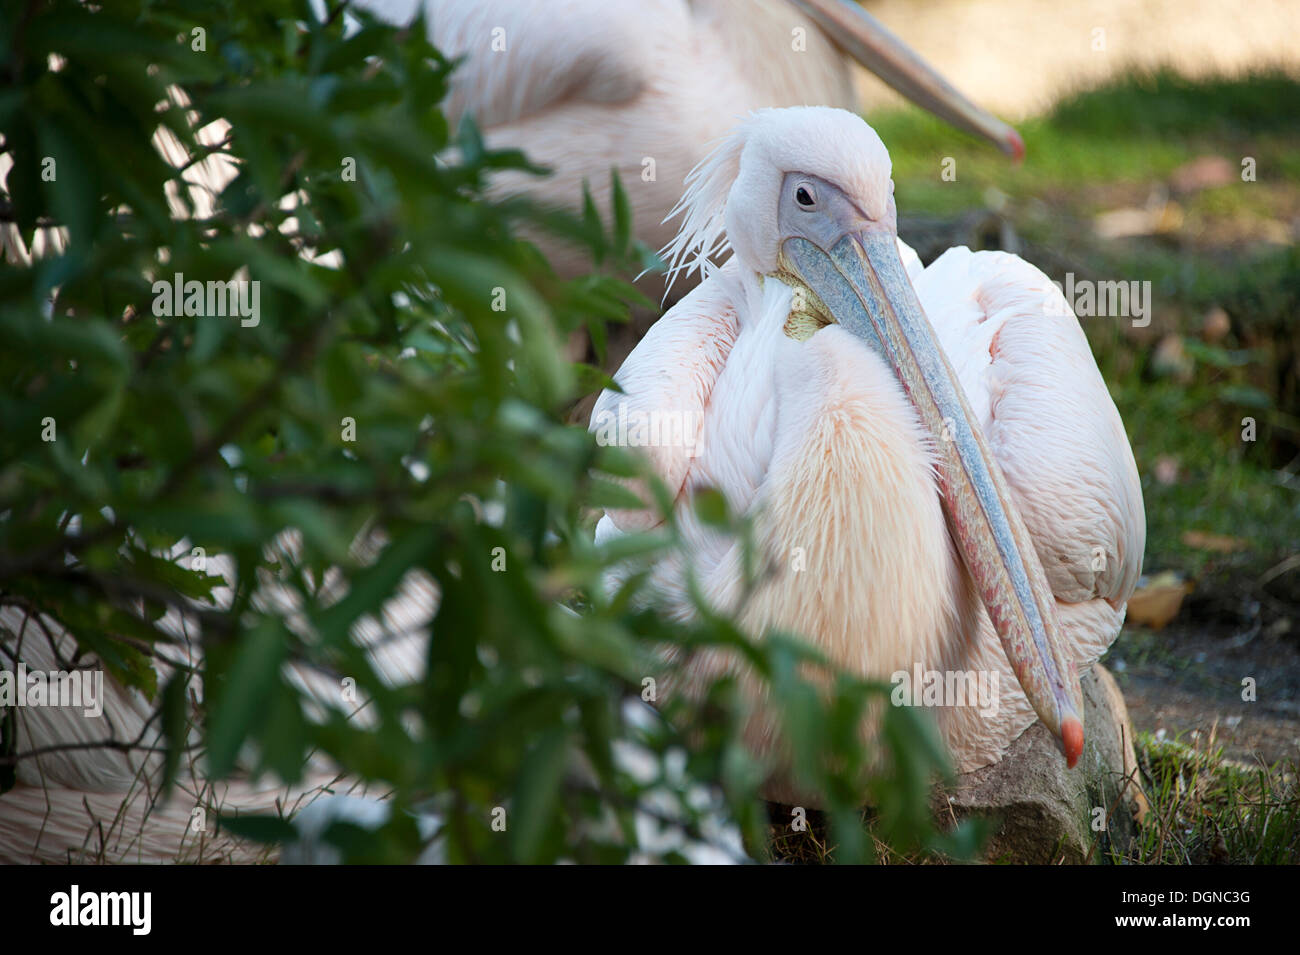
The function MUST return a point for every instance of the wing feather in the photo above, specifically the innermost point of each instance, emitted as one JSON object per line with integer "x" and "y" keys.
{"x": 1029, "y": 373}
{"x": 669, "y": 376}
{"x": 521, "y": 59}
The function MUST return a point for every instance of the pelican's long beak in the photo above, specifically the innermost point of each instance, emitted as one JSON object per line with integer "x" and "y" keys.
{"x": 865, "y": 39}
{"x": 862, "y": 284}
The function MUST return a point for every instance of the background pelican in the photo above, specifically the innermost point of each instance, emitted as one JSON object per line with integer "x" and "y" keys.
{"x": 645, "y": 87}
{"x": 827, "y": 408}
{"x": 78, "y": 802}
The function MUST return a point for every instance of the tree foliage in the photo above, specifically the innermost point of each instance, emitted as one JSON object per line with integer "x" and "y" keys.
{"x": 380, "y": 306}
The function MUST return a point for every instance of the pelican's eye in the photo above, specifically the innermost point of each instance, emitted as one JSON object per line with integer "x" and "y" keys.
{"x": 805, "y": 196}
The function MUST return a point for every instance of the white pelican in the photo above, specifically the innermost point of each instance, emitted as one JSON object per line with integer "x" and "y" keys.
{"x": 78, "y": 803}
{"x": 645, "y": 86}
{"x": 937, "y": 473}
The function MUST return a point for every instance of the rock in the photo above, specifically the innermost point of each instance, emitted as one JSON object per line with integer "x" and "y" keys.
{"x": 1125, "y": 223}
{"x": 1203, "y": 172}
{"x": 1042, "y": 812}
{"x": 1160, "y": 216}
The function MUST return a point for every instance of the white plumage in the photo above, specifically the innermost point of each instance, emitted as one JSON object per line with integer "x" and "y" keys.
{"x": 818, "y": 442}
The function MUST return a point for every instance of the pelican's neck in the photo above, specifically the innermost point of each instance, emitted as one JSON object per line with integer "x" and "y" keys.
{"x": 764, "y": 301}
{"x": 738, "y": 430}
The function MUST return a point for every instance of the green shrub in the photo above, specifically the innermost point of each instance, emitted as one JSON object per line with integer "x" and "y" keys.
{"x": 223, "y": 434}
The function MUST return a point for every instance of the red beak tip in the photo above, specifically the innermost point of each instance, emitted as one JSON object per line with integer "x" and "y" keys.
{"x": 1016, "y": 146}
{"x": 1072, "y": 740}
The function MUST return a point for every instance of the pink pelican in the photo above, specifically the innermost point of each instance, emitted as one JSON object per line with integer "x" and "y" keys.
{"x": 936, "y": 471}
{"x": 79, "y": 802}
{"x": 645, "y": 87}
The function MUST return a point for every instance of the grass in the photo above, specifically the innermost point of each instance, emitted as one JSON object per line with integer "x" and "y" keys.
{"x": 812, "y": 844}
{"x": 1205, "y": 809}
{"x": 1132, "y": 130}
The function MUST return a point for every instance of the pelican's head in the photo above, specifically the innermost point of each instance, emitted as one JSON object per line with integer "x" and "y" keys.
{"x": 735, "y": 198}
{"x": 804, "y": 166}
{"x": 804, "y": 196}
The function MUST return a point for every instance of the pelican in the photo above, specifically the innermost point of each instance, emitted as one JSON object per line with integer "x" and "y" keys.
{"x": 78, "y": 802}
{"x": 937, "y": 475}
{"x": 583, "y": 86}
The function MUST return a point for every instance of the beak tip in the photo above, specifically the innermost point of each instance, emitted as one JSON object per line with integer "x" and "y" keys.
{"x": 1014, "y": 146}
{"x": 1072, "y": 740}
